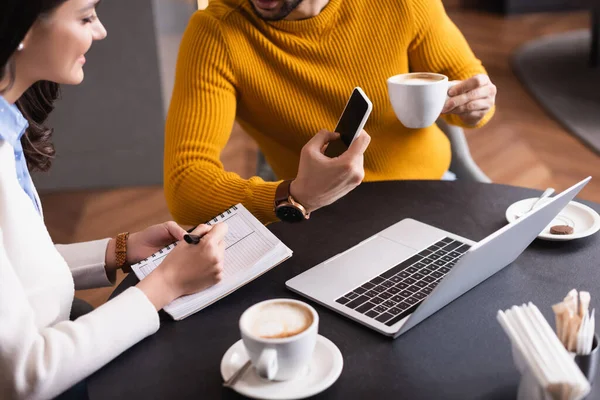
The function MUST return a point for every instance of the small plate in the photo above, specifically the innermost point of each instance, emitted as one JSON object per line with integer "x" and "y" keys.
{"x": 323, "y": 370}
{"x": 581, "y": 218}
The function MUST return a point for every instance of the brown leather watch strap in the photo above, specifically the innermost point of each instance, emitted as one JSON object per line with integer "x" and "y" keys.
{"x": 121, "y": 251}
{"x": 283, "y": 192}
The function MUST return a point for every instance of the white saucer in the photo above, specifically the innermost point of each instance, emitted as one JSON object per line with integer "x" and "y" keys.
{"x": 323, "y": 370}
{"x": 581, "y": 218}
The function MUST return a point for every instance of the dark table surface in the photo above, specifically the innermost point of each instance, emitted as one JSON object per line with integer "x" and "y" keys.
{"x": 460, "y": 352}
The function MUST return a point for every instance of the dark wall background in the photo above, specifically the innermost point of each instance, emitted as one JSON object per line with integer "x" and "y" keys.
{"x": 109, "y": 130}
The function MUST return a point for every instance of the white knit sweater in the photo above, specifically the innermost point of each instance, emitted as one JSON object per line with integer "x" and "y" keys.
{"x": 42, "y": 353}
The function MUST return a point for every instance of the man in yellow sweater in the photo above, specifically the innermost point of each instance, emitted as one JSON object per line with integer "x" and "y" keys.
{"x": 284, "y": 69}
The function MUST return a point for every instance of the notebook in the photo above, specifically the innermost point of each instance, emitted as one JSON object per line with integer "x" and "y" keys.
{"x": 250, "y": 251}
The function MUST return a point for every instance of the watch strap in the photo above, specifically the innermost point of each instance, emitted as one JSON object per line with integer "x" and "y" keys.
{"x": 283, "y": 192}
{"x": 121, "y": 251}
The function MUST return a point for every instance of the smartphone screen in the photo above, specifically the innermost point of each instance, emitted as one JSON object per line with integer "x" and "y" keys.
{"x": 351, "y": 122}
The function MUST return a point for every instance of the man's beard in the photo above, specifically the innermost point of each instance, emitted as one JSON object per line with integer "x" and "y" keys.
{"x": 285, "y": 10}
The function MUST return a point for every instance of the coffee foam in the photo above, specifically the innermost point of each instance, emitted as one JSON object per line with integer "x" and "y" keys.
{"x": 280, "y": 320}
{"x": 418, "y": 79}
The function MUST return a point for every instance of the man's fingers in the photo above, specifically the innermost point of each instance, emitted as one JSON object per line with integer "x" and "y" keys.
{"x": 359, "y": 145}
{"x": 321, "y": 139}
{"x": 469, "y": 84}
{"x": 485, "y": 92}
{"x": 477, "y": 105}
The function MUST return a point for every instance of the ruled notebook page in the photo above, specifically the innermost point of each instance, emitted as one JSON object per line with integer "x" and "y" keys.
{"x": 250, "y": 250}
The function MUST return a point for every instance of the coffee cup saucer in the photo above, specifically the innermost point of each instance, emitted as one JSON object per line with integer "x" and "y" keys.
{"x": 584, "y": 220}
{"x": 323, "y": 370}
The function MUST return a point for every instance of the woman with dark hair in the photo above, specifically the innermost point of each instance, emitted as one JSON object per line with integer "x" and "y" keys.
{"x": 43, "y": 353}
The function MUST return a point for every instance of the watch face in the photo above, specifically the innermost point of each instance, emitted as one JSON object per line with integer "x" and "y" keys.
{"x": 289, "y": 214}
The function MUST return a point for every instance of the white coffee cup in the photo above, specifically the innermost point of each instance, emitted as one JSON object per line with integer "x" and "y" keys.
{"x": 280, "y": 337}
{"x": 419, "y": 97}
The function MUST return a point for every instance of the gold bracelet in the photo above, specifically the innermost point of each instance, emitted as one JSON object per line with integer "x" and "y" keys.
{"x": 121, "y": 251}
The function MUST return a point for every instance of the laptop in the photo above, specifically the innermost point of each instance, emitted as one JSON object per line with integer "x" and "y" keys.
{"x": 398, "y": 277}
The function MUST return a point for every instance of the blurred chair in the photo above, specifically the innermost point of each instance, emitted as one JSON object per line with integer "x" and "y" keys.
{"x": 462, "y": 164}
{"x": 263, "y": 169}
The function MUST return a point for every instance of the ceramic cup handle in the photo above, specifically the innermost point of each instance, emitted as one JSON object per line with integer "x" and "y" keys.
{"x": 450, "y": 84}
{"x": 267, "y": 364}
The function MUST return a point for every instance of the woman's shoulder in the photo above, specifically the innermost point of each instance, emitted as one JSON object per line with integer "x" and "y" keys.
{"x": 7, "y": 157}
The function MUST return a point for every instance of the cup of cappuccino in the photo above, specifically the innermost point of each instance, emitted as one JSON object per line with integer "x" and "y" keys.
{"x": 280, "y": 337}
{"x": 418, "y": 98}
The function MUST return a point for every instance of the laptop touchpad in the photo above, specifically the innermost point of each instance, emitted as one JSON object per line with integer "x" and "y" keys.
{"x": 353, "y": 268}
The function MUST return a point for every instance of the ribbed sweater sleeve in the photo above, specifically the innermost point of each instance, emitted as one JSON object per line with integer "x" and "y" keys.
{"x": 199, "y": 122}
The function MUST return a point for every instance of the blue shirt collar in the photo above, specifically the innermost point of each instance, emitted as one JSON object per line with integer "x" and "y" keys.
{"x": 12, "y": 123}
{"x": 12, "y": 127}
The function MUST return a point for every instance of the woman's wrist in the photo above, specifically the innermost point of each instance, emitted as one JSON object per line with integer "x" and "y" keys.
{"x": 110, "y": 258}
{"x": 156, "y": 288}
{"x": 117, "y": 254}
{"x": 129, "y": 259}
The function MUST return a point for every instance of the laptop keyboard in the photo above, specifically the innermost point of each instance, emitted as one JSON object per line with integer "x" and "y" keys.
{"x": 396, "y": 293}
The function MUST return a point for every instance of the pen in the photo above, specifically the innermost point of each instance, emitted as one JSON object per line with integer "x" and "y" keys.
{"x": 192, "y": 239}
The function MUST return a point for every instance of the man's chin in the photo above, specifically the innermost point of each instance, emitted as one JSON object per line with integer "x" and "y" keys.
{"x": 274, "y": 14}
{"x": 268, "y": 15}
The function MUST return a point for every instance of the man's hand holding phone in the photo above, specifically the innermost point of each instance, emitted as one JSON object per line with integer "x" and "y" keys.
{"x": 351, "y": 122}
{"x": 322, "y": 180}
{"x": 331, "y": 163}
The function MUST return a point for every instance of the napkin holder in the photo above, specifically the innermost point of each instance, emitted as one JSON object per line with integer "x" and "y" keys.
{"x": 529, "y": 387}
{"x": 588, "y": 364}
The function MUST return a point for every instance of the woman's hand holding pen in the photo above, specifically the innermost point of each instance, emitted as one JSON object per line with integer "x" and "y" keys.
{"x": 143, "y": 244}
{"x": 188, "y": 268}
{"x": 147, "y": 242}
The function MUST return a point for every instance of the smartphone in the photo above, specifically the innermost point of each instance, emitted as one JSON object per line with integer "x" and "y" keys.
{"x": 353, "y": 119}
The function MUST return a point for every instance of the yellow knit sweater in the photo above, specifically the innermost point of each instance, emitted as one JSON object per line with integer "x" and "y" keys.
{"x": 284, "y": 81}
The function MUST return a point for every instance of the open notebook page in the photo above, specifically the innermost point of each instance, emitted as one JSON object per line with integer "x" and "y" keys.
{"x": 250, "y": 250}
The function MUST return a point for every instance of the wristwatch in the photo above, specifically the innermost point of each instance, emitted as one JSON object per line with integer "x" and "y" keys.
{"x": 287, "y": 208}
